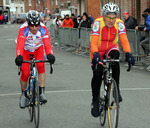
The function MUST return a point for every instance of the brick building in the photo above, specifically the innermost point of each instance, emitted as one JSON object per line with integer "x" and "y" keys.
{"x": 1, "y": 2}
{"x": 134, "y": 7}
{"x": 51, "y": 6}
{"x": 58, "y": 5}
{"x": 39, "y": 5}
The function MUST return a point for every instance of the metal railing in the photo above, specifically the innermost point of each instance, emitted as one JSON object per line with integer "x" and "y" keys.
{"x": 75, "y": 37}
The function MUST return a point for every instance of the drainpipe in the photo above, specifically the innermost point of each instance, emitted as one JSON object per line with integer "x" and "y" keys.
{"x": 120, "y": 8}
{"x": 86, "y": 7}
{"x": 101, "y": 7}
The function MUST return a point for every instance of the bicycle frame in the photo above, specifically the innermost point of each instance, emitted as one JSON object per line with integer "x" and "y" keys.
{"x": 33, "y": 73}
{"x": 33, "y": 90}
{"x": 105, "y": 98}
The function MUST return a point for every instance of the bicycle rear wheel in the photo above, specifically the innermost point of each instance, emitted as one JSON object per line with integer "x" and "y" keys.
{"x": 113, "y": 105}
{"x": 30, "y": 103}
{"x": 36, "y": 104}
{"x": 102, "y": 104}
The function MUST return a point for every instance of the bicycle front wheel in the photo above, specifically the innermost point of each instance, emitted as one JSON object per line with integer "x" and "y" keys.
{"x": 113, "y": 105}
{"x": 102, "y": 104}
{"x": 30, "y": 103}
{"x": 36, "y": 104}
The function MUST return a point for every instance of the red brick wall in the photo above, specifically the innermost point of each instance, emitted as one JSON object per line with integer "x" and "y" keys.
{"x": 54, "y": 6}
{"x": 93, "y": 7}
{"x": 1, "y": 2}
{"x": 27, "y": 7}
{"x": 49, "y": 5}
{"x": 126, "y": 5}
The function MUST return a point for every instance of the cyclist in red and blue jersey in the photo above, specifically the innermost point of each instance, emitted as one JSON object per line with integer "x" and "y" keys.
{"x": 33, "y": 37}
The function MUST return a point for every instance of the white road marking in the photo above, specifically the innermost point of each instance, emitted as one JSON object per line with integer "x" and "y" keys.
{"x": 10, "y": 39}
{"x": 69, "y": 91}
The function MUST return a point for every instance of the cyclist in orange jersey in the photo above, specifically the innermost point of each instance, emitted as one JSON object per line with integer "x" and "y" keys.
{"x": 104, "y": 41}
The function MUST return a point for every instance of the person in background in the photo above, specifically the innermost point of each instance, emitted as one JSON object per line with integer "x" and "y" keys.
{"x": 44, "y": 20}
{"x": 68, "y": 22}
{"x": 78, "y": 19}
{"x": 58, "y": 23}
{"x": 91, "y": 18}
{"x": 74, "y": 20}
{"x": 145, "y": 42}
{"x": 1, "y": 19}
{"x": 5, "y": 18}
{"x": 129, "y": 21}
{"x": 85, "y": 23}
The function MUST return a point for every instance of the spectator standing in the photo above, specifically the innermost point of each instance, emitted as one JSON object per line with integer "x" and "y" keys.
{"x": 68, "y": 22}
{"x": 78, "y": 19}
{"x": 1, "y": 19}
{"x": 45, "y": 20}
{"x": 85, "y": 23}
{"x": 5, "y": 18}
{"x": 91, "y": 19}
{"x": 74, "y": 20}
{"x": 58, "y": 23}
{"x": 145, "y": 42}
{"x": 129, "y": 21}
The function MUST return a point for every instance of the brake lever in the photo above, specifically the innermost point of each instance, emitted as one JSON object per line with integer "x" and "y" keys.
{"x": 51, "y": 68}
{"x": 19, "y": 70}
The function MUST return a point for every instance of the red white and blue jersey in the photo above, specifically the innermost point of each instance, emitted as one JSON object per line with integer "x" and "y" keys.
{"x": 30, "y": 42}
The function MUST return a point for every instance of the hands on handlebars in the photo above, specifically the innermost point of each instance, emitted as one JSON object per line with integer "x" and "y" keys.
{"x": 50, "y": 57}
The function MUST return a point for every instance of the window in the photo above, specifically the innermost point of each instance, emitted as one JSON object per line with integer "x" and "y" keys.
{"x": 16, "y": 9}
{"x": 52, "y": 2}
{"x": 38, "y": 2}
{"x": 21, "y": 9}
{"x": 62, "y": 5}
{"x": 30, "y": 3}
{"x": 56, "y": 2}
{"x": 7, "y": 2}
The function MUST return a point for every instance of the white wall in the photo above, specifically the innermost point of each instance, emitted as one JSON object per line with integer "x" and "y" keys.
{"x": 82, "y": 7}
{"x": 14, "y": 5}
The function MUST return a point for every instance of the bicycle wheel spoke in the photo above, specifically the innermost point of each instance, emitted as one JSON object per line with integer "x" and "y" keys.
{"x": 36, "y": 104}
{"x": 113, "y": 109}
{"x": 102, "y": 105}
{"x": 30, "y": 105}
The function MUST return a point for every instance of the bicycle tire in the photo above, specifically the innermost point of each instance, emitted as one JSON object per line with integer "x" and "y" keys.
{"x": 113, "y": 105}
{"x": 36, "y": 103}
{"x": 30, "y": 103}
{"x": 102, "y": 104}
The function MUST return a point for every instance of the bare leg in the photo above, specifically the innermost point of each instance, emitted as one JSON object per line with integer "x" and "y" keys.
{"x": 23, "y": 85}
{"x": 41, "y": 78}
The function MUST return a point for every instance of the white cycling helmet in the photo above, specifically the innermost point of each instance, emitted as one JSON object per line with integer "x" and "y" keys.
{"x": 110, "y": 8}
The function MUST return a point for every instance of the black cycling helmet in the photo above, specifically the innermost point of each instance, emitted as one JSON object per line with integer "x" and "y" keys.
{"x": 33, "y": 17}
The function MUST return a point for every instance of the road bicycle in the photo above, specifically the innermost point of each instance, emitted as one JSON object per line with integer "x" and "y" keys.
{"x": 33, "y": 103}
{"x": 108, "y": 98}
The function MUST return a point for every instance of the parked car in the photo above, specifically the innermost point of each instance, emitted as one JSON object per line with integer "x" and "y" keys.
{"x": 21, "y": 18}
{"x": 13, "y": 18}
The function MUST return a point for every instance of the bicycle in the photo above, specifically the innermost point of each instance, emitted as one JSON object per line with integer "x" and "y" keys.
{"x": 33, "y": 103}
{"x": 108, "y": 98}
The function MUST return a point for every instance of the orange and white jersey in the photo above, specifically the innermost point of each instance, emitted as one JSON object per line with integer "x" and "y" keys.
{"x": 103, "y": 37}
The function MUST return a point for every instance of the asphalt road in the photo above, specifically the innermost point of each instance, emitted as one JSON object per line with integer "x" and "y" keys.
{"x": 68, "y": 91}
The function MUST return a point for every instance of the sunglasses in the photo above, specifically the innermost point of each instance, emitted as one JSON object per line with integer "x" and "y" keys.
{"x": 109, "y": 18}
{"x": 32, "y": 25}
